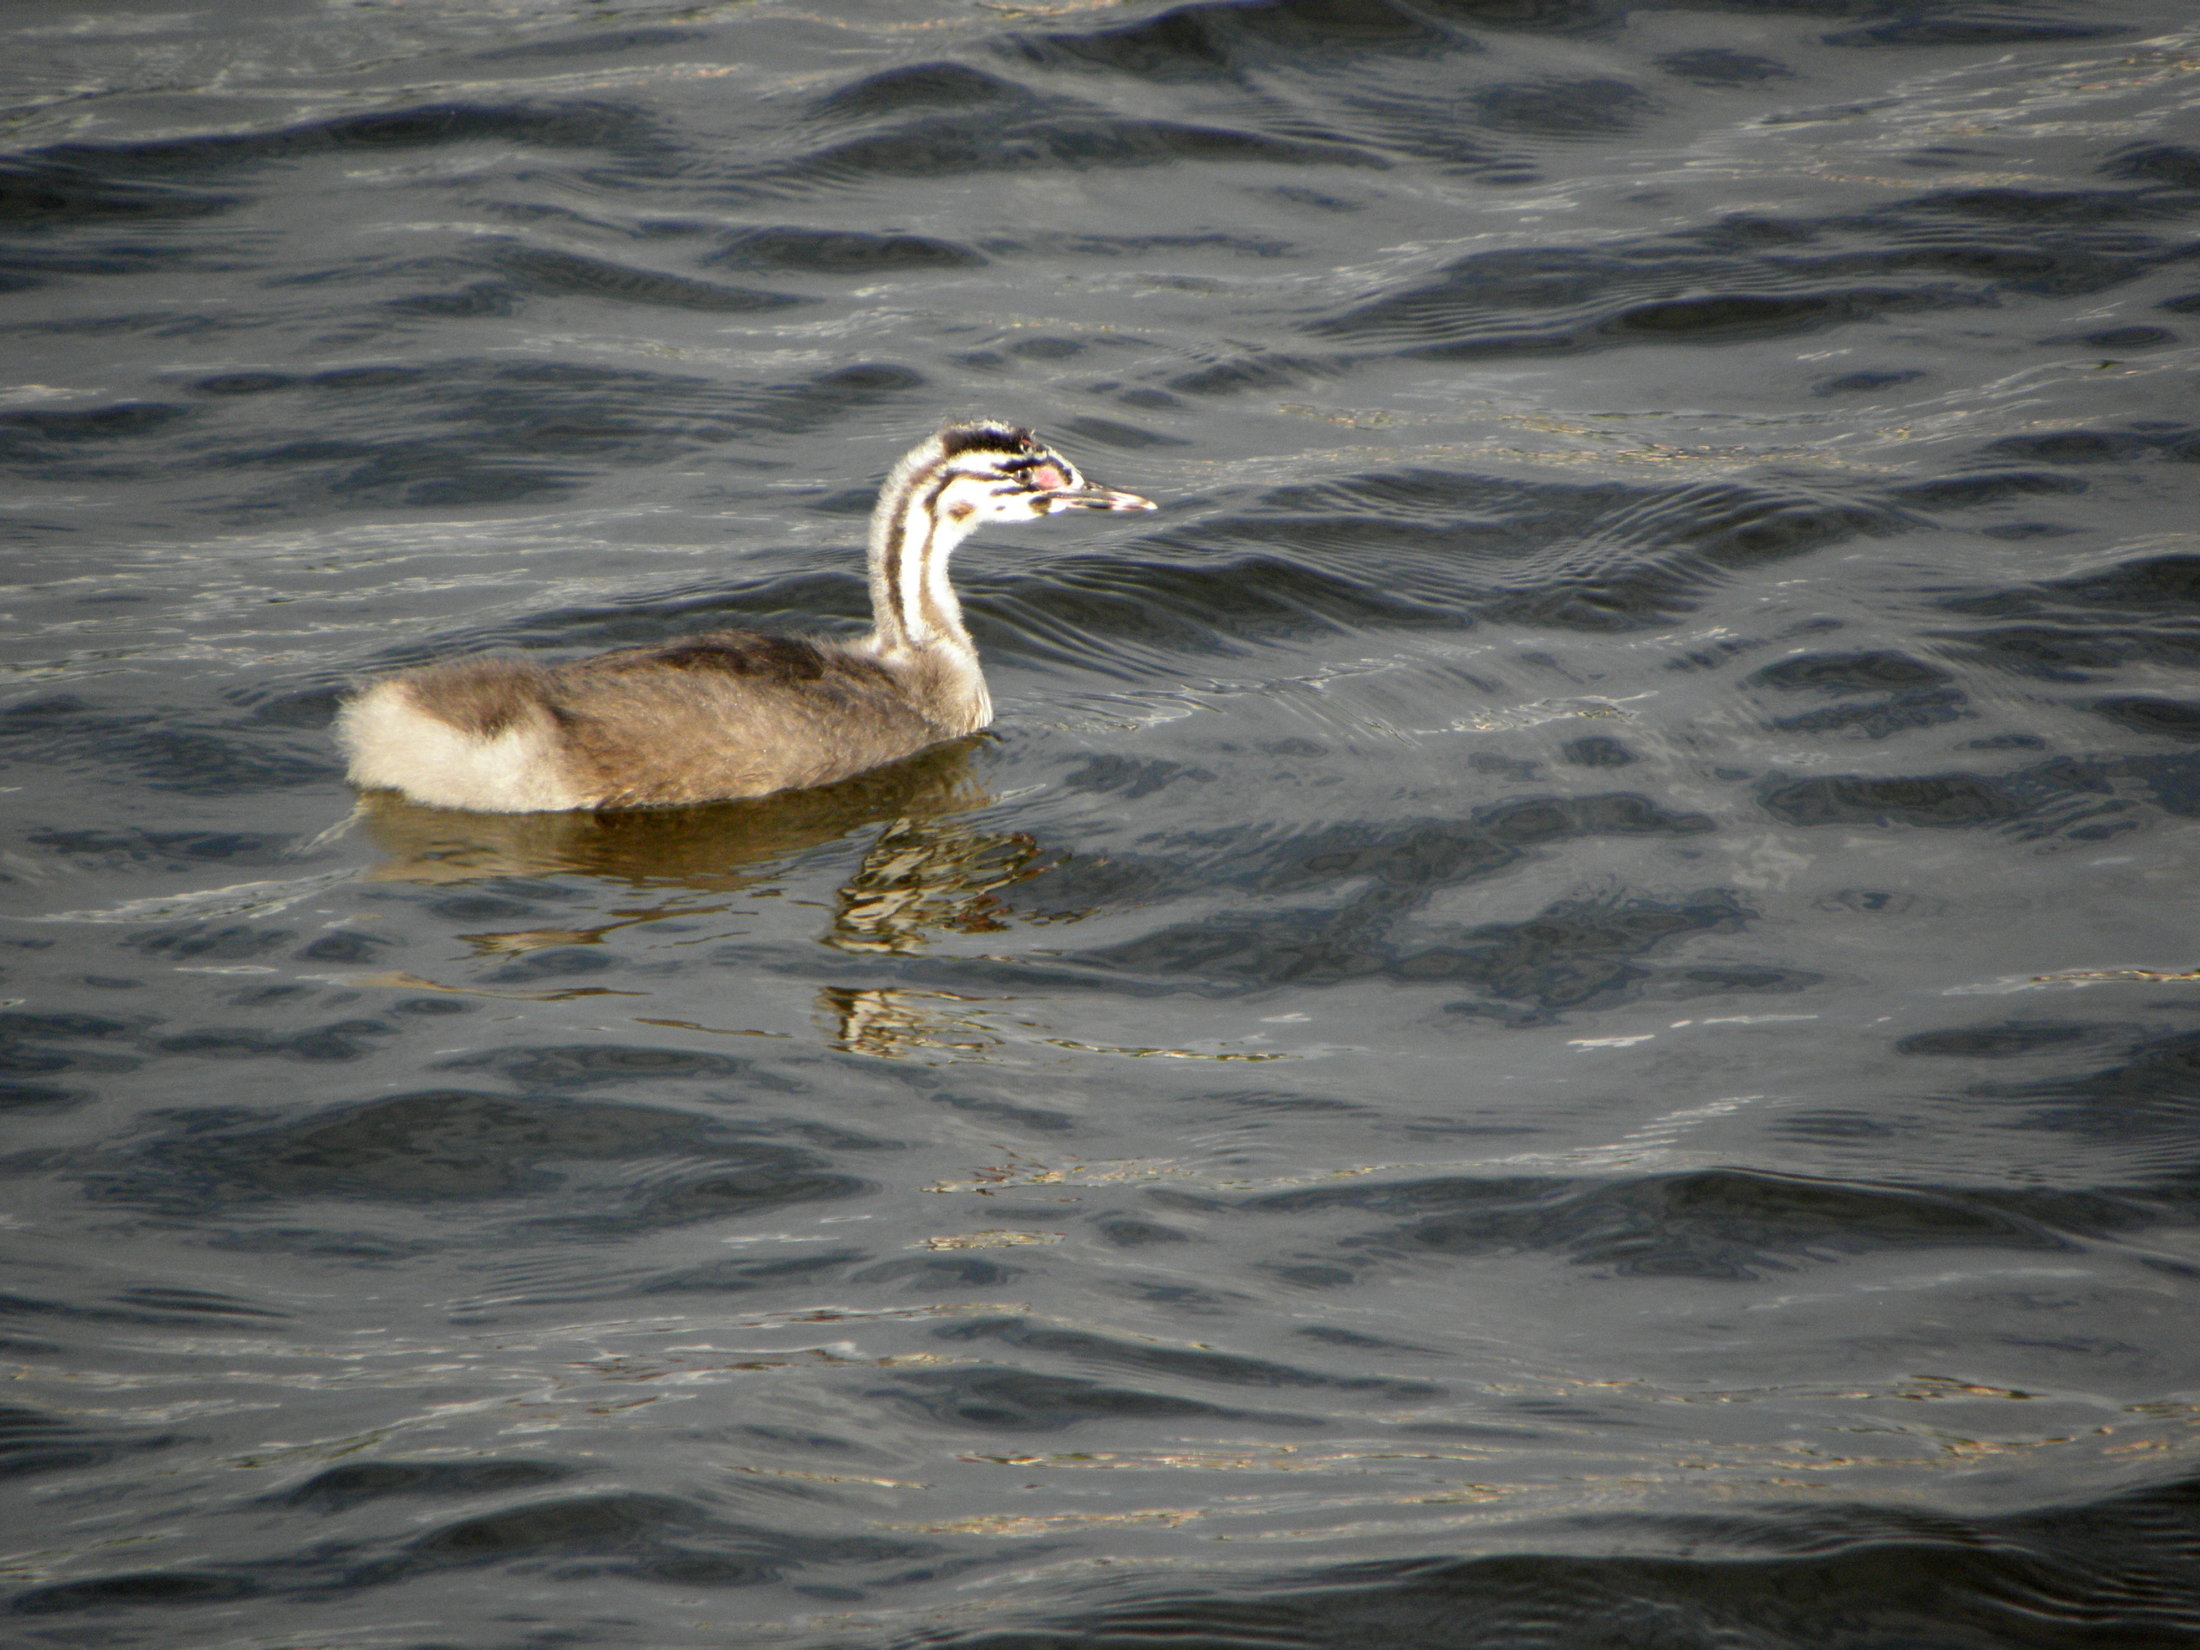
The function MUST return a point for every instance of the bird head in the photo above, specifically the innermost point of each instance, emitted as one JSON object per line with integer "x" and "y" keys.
{"x": 992, "y": 471}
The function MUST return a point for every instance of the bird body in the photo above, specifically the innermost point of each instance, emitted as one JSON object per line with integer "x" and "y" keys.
{"x": 731, "y": 713}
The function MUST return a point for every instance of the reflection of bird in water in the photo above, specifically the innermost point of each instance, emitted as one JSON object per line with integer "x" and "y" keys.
{"x": 921, "y": 876}
{"x": 924, "y": 874}
{"x": 715, "y": 846}
{"x": 732, "y": 713}
{"x": 891, "y": 1024}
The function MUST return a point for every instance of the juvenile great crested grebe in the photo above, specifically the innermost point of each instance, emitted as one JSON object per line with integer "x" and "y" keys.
{"x": 732, "y": 713}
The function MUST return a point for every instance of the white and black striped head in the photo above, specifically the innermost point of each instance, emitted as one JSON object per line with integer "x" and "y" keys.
{"x": 986, "y": 470}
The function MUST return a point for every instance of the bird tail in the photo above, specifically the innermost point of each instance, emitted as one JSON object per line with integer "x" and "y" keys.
{"x": 479, "y": 734}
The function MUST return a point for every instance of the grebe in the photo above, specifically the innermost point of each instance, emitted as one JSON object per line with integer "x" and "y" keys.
{"x": 731, "y": 713}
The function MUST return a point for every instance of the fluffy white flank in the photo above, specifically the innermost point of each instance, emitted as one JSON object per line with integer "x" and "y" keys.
{"x": 395, "y": 745}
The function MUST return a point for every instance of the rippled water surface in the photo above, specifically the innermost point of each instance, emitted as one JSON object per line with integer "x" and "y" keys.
{"x": 1564, "y": 1012}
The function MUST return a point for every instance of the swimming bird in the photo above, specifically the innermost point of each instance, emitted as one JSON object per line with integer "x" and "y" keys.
{"x": 732, "y": 713}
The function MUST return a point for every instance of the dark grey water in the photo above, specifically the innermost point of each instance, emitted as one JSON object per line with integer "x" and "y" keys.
{"x": 1563, "y": 1015}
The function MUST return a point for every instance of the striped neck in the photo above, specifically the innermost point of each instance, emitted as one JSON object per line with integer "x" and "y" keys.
{"x": 913, "y": 606}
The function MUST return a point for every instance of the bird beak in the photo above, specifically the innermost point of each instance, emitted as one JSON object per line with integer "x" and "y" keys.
{"x": 1094, "y": 498}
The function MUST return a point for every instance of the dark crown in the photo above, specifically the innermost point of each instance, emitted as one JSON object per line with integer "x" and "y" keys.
{"x": 988, "y": 435}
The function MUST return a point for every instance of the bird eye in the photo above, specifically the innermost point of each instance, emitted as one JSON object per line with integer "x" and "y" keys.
{"x": 1038, "y": 474}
